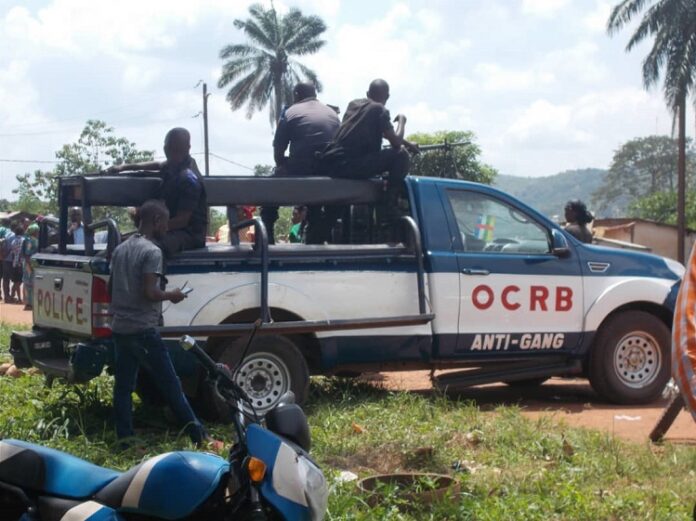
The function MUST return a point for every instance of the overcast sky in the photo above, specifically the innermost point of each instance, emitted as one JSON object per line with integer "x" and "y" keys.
{"x": 539, "y": 81}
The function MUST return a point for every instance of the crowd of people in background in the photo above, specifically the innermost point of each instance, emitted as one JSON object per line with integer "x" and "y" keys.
{"x": 18, "y": 242}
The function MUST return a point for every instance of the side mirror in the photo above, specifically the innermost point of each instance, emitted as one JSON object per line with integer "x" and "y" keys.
{"x": 559, "y": 244}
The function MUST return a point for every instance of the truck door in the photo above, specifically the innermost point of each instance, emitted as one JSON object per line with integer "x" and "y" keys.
{"x": 515, "y": 294}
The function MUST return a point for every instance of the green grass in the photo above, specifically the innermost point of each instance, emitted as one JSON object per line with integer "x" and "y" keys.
{"x": 511, "y": 467}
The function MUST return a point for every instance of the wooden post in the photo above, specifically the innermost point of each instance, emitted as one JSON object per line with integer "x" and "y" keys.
{"x": 681, "y": 181}
{"x": 205, "y": 129}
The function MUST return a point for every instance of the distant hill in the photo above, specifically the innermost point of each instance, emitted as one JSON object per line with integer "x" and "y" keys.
{"x": 549, "y": 194}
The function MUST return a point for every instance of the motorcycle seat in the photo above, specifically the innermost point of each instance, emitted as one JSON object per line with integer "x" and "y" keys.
{"x": 55, "y": 509}
{"x": 51, "y": 472}
{"x": 169, "y": 486}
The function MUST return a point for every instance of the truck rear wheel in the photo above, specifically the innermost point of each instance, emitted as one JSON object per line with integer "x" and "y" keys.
{"x": 630, "y": 358}
{"x": 273, "y": 365}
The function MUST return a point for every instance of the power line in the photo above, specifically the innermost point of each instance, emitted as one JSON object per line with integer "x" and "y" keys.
{"x": 230, "y": 161}
{"x": 52, "y": 162}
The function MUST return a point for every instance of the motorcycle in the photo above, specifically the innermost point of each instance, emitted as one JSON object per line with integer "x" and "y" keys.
{"x": 268, "y": 474}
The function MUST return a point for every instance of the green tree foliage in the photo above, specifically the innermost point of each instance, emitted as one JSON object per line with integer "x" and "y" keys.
{"x": 263, "y": 70}
{"x": 217, "y": 218}
{"x": 662, "y": 207}
{"x": 642, "y": 167}
{"x": 263, "y": 170}
{"x": 456, "y": 162}
{"x": 671, "y": 25}
{"x": 96, "y": 148}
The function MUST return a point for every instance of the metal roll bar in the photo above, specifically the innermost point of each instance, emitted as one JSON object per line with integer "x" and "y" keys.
{"x": 418, "y": 251}
{"x": 260, "y": 246}
{"x": 113, "y": 236}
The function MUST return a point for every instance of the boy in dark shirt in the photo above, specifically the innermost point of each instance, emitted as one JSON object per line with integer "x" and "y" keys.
{"x": 136, "y": 304}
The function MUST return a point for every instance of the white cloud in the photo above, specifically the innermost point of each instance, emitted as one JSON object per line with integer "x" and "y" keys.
{"x": 578, "y": 63}
{"x": 326, "y": 9}
{"x": 396, "y": 47}
{"x": 86, "y": 27}
{"x": 577, "y": 120}
{"x": 596, "y": 20}
{"x": 541, "y": 118}
{"x": 494, "y": 77}
{"x": 429, "y": 119}
{"x": 543, "y": 8}
{"x": 18, "y": 98}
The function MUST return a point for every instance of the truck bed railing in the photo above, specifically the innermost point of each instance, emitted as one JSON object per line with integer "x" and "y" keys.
{"x": 417, "y": 244}
{"x": 113, "y": 236}
{"x": 295, "y": 327}
{"x": 261, "y": 247}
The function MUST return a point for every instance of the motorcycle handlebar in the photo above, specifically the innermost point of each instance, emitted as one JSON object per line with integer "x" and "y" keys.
{"x": 188, "y": 343}
{"x": 219, "y": 372}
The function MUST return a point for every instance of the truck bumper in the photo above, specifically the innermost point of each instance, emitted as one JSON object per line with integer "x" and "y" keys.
{"x": 27, "y": 345}
{"x": 47, "y": 351}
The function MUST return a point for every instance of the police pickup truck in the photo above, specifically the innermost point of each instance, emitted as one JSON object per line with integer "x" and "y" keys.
{"x": 467, "y": 277}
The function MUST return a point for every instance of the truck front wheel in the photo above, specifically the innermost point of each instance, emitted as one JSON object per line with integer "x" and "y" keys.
{"x": 273, "y": 365}
{"x": 630, "y": 358}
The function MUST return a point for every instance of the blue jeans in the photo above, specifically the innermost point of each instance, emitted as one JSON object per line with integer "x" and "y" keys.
{"x": 147, "y": 349}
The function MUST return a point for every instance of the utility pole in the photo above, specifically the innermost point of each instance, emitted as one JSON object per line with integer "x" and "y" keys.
{"x": 681, "y": 181}
{"x": 205, "y": 129}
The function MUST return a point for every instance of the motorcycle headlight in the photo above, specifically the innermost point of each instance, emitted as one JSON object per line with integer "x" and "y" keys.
{"x": 315, "y": 488}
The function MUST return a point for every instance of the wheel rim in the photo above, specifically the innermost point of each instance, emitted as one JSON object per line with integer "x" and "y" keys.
{"x": 264, "y": 377}
{"x": 637, "y": 359}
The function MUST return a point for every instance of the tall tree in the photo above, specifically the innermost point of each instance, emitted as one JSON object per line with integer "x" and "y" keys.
{"x": 642, "y": 167}
{"x": 672, "y": 25}
{"x": 96, "y": 148}
{"x": 456, "y": 157}
{"x": 662, "y": 207}
{"x": 263, "y": 70}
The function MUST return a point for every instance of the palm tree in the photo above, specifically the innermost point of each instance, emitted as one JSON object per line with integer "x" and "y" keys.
{"x": 672, "y": 24}
{"x": 262, "y": 70}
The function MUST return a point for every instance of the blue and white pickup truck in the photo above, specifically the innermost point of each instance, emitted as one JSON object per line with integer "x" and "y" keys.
{"x": 469, "y": 278}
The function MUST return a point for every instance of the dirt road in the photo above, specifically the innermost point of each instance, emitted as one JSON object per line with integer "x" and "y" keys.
{"x": 14, "y": 314}
{"x": 572, "y": 401}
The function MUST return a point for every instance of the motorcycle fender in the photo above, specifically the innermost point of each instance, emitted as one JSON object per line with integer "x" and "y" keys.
{"x": 283, "y": 485}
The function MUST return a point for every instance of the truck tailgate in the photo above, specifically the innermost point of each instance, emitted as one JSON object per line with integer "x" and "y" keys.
{"x": 62, "y": 294}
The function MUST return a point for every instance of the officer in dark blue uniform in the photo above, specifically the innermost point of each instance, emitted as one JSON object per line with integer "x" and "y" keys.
{"x": 182, "y": 191}
{"x": 184, "y": 194}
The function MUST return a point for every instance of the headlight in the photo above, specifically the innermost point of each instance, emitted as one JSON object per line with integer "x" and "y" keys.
{"x": 315, "y": 488}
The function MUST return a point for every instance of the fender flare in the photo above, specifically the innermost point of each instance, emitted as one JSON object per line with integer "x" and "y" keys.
{"x": 624, "y": 292}
{"x": 247, "y": 296}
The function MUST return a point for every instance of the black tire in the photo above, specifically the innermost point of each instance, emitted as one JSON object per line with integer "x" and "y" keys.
{"x": 630, "y": 358}
{"x": 667, "y": 419}
{"x": 272, "y": 366}
{"x": 527, "y": 382}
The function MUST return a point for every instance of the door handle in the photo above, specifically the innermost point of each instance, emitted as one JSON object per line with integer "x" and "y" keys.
{"x": 58, "y": 283}
{"x": 469, "y": 271}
